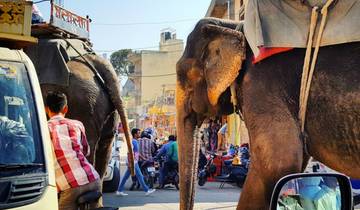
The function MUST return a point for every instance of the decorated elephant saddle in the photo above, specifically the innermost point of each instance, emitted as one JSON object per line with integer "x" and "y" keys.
{"x": 285, "y": 23}
{"x": 50, "y": 57}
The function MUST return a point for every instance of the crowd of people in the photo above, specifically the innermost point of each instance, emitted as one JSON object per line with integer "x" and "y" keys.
{"x": 146, "y": 149}
{"x": 146, "y": 152}
{"x": 215, "y": 139}
{"x": 214, "y": 136}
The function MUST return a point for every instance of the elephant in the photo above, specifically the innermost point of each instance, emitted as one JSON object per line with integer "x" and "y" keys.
{"x": 96, "y": 104}
{"x": 217, "y": 57}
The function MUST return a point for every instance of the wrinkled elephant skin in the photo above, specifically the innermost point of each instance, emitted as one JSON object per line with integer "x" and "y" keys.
{"x": 268, "y": 93}
{"x": 95, "y": 106}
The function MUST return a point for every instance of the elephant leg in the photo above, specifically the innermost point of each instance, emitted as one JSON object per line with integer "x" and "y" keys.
{"x": 92, "y": 134}
{"x": 276, "y": 150}
{"x": 103, "y": 148}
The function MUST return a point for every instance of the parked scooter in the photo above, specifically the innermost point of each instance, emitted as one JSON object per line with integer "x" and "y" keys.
{"x": 236, "y": 173}
{"x": 230, "y": 173}
{"x": 206, "y": 170}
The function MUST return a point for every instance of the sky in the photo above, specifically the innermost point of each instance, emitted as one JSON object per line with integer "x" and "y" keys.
{"x": 134, "y": 24}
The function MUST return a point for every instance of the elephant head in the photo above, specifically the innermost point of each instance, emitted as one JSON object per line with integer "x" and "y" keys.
{"x": 210, "y": 64}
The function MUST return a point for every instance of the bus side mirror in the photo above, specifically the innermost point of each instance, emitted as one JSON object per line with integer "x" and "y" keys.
{"x": 312, "y": 191}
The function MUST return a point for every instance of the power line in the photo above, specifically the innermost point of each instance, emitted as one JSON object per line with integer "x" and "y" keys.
{"x": 151, "y": 52}
{"x": 141, "y": 48}
{"x": 171, "y": 51}
{"x": 142, "y": 23}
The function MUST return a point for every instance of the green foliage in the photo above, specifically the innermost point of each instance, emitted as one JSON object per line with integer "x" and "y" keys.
{"x": 120, "y": 61}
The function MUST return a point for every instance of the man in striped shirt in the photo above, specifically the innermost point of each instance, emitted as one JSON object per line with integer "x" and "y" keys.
{"x": 73, "y": 172}
{"x": 147, "y": 148}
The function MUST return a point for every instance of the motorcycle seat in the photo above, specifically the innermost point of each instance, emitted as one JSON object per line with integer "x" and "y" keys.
{"x": 89, "y": 197}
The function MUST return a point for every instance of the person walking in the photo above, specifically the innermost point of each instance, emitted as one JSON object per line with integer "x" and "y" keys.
{"x": 73, "y": 173}
{"x": 135, "y": 132}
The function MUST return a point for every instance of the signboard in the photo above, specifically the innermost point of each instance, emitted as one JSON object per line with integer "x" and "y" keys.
{"x": 69, "y": 21}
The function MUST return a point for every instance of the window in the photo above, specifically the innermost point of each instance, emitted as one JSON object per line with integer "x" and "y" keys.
{"x": 20, "y": 141}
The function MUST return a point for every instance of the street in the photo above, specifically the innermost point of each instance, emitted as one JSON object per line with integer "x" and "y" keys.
{"x": 207, "y": 197}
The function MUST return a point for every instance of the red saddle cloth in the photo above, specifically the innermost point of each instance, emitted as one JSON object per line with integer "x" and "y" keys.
{"x": 269, "y": 51}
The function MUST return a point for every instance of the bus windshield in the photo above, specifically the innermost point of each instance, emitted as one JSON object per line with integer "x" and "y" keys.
{"x": 20, "y": 140}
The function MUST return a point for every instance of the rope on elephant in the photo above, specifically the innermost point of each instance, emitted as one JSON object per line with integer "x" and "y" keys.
{"x": 307, "y": 74}
{"x": 92, "y": 68}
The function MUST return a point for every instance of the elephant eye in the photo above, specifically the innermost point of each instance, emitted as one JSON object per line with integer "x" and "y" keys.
{"x": 217, "y": 51}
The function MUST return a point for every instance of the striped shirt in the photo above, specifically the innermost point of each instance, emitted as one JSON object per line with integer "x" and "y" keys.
{"x": 147, "y": 148}
{"x": 72, "y": 169}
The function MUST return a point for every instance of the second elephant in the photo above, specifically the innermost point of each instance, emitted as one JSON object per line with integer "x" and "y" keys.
{"x": 97, "y": 105}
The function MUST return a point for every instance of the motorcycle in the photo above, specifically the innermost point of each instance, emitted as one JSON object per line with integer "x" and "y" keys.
{"x": 172, "y": 176}
{"x": 235, "y": 173}
{"x": 230, "y": 173}
{"x": 206, "y": 170}
{"x": 149, "y": 173}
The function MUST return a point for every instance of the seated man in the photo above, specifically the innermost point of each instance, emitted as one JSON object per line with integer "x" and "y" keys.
{"x": 15, "y": 143}
{"x": 170, "y": 151}
{"x": 328, "y": 197}
{"x": 73, "y": 173}
{"x": 146, "y": 148}
{"x": 308, "y": 188}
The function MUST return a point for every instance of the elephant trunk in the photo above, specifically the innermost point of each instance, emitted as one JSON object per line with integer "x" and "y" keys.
{"x": 188, "y": 153}
{"x": 112, "y": 84}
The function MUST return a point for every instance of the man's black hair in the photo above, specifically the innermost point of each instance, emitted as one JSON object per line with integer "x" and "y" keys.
{"x": 134, "y": 131}
{"x": 172, "y": 138}
{"x": 55, "y": 101}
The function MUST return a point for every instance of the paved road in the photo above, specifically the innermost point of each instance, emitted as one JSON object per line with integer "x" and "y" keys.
{"x": 207, "y": 197}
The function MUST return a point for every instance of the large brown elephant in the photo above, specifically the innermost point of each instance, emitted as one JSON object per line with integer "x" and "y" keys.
{"x": 98, "y": 106}
{"x": 268, "y": 95}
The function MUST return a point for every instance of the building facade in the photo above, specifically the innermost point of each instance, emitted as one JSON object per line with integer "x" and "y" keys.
{"x": 152, "y": 79}
{"x": 227, "y": 9}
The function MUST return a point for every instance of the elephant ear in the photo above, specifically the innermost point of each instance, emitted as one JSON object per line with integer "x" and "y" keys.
{"x": 222, "y": 59}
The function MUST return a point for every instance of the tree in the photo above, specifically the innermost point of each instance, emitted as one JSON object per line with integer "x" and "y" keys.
{"x": 120, "y": 61}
